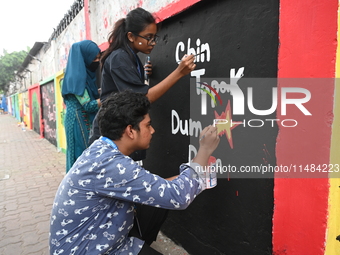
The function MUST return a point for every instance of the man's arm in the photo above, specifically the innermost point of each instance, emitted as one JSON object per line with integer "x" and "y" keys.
{"x": 126, "y": 180}
{"x": 209, "y": 141}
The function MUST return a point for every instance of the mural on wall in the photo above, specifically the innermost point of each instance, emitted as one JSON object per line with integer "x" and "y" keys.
{"x": 233, "y": 43}
{"x": 227, "y": 57}
{"x": 35, "y": 99}
{"x": 60, "y": 113}
{"x": 12, "y": 104}
{"x": 63, "y": 106}
{"x": 26, "y": 109}
{"x": 49, "y": 112}
{"x": 16, "y": 107}
{"x": 20, "y": 108}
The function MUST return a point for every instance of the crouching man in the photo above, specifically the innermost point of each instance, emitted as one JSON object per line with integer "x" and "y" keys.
{"x": 94, "y": 207}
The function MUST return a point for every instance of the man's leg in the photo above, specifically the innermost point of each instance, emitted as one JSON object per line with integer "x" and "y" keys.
{"x": 94, "y": 132}
{"x": 148, "y": 222}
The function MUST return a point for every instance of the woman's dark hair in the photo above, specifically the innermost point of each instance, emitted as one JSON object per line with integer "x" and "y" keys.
{"x": 120, "y": 110}
{"x": 136, "y": 21}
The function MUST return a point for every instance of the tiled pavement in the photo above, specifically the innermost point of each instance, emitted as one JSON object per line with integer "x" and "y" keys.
{"x": 30, "y": 172}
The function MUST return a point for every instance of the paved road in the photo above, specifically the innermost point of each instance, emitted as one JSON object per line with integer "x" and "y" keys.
{"x": 31, "y": 169}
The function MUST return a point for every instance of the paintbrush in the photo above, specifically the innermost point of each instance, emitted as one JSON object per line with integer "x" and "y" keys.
{"x": 190, "y": 55}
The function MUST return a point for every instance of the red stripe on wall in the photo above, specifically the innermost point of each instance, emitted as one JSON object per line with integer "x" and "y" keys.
{"x": 174, "y": 8}
{"x": 87, "y": 20}
{"x": 307, "y": 35}
{"x": 104, "y": 46}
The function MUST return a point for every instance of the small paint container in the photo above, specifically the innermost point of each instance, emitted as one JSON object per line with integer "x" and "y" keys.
{"x": 211, "y": 173}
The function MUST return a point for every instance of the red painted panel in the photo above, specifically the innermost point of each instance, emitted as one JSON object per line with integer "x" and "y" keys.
{"x": 103, "y": 46}
{"x": 308, "y": 32}
{"x": 174, "y": 8}
{"x": 35, "y": 109}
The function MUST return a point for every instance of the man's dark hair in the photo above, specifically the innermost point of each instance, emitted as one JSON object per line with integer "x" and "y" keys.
{"x": 120, "y": 110}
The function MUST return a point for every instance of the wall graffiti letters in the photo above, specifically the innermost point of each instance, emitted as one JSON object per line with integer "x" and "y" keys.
{"x": 49, "y": 112}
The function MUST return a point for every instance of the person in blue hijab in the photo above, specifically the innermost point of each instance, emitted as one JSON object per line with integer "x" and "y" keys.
{"x": 81, "y": 97}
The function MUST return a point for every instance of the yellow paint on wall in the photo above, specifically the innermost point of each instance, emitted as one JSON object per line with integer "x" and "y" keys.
{"x": 20, "y": 106}
{"x": 60, "y": 113}
{"x": 333, "y": 224}
{"x": 26, "y": 109}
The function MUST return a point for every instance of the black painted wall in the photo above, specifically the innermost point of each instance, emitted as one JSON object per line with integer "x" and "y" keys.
{"x": 236, "y": 216}
{"x": 49, "y": 112}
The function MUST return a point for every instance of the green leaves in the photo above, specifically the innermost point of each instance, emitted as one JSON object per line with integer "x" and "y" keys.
{"x": 9, "y": 63}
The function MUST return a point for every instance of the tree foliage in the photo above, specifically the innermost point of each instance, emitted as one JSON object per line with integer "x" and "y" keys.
{"x": 9, "y": 63}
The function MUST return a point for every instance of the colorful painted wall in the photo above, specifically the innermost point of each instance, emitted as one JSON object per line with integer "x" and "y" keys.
{"x": 236, "y": 216}
{"x": 287, "y": 53}
{"x": 60, "y": 112}
{"x": 35, "y": 108}
{"x": 308, "y": 46}
{"x": 47, "y": 92}
{"x": 26, "y": 109}
{"x": 42, "y": 110}
{"x": 333, "y": 223}
{"x": 15, "y": 107}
